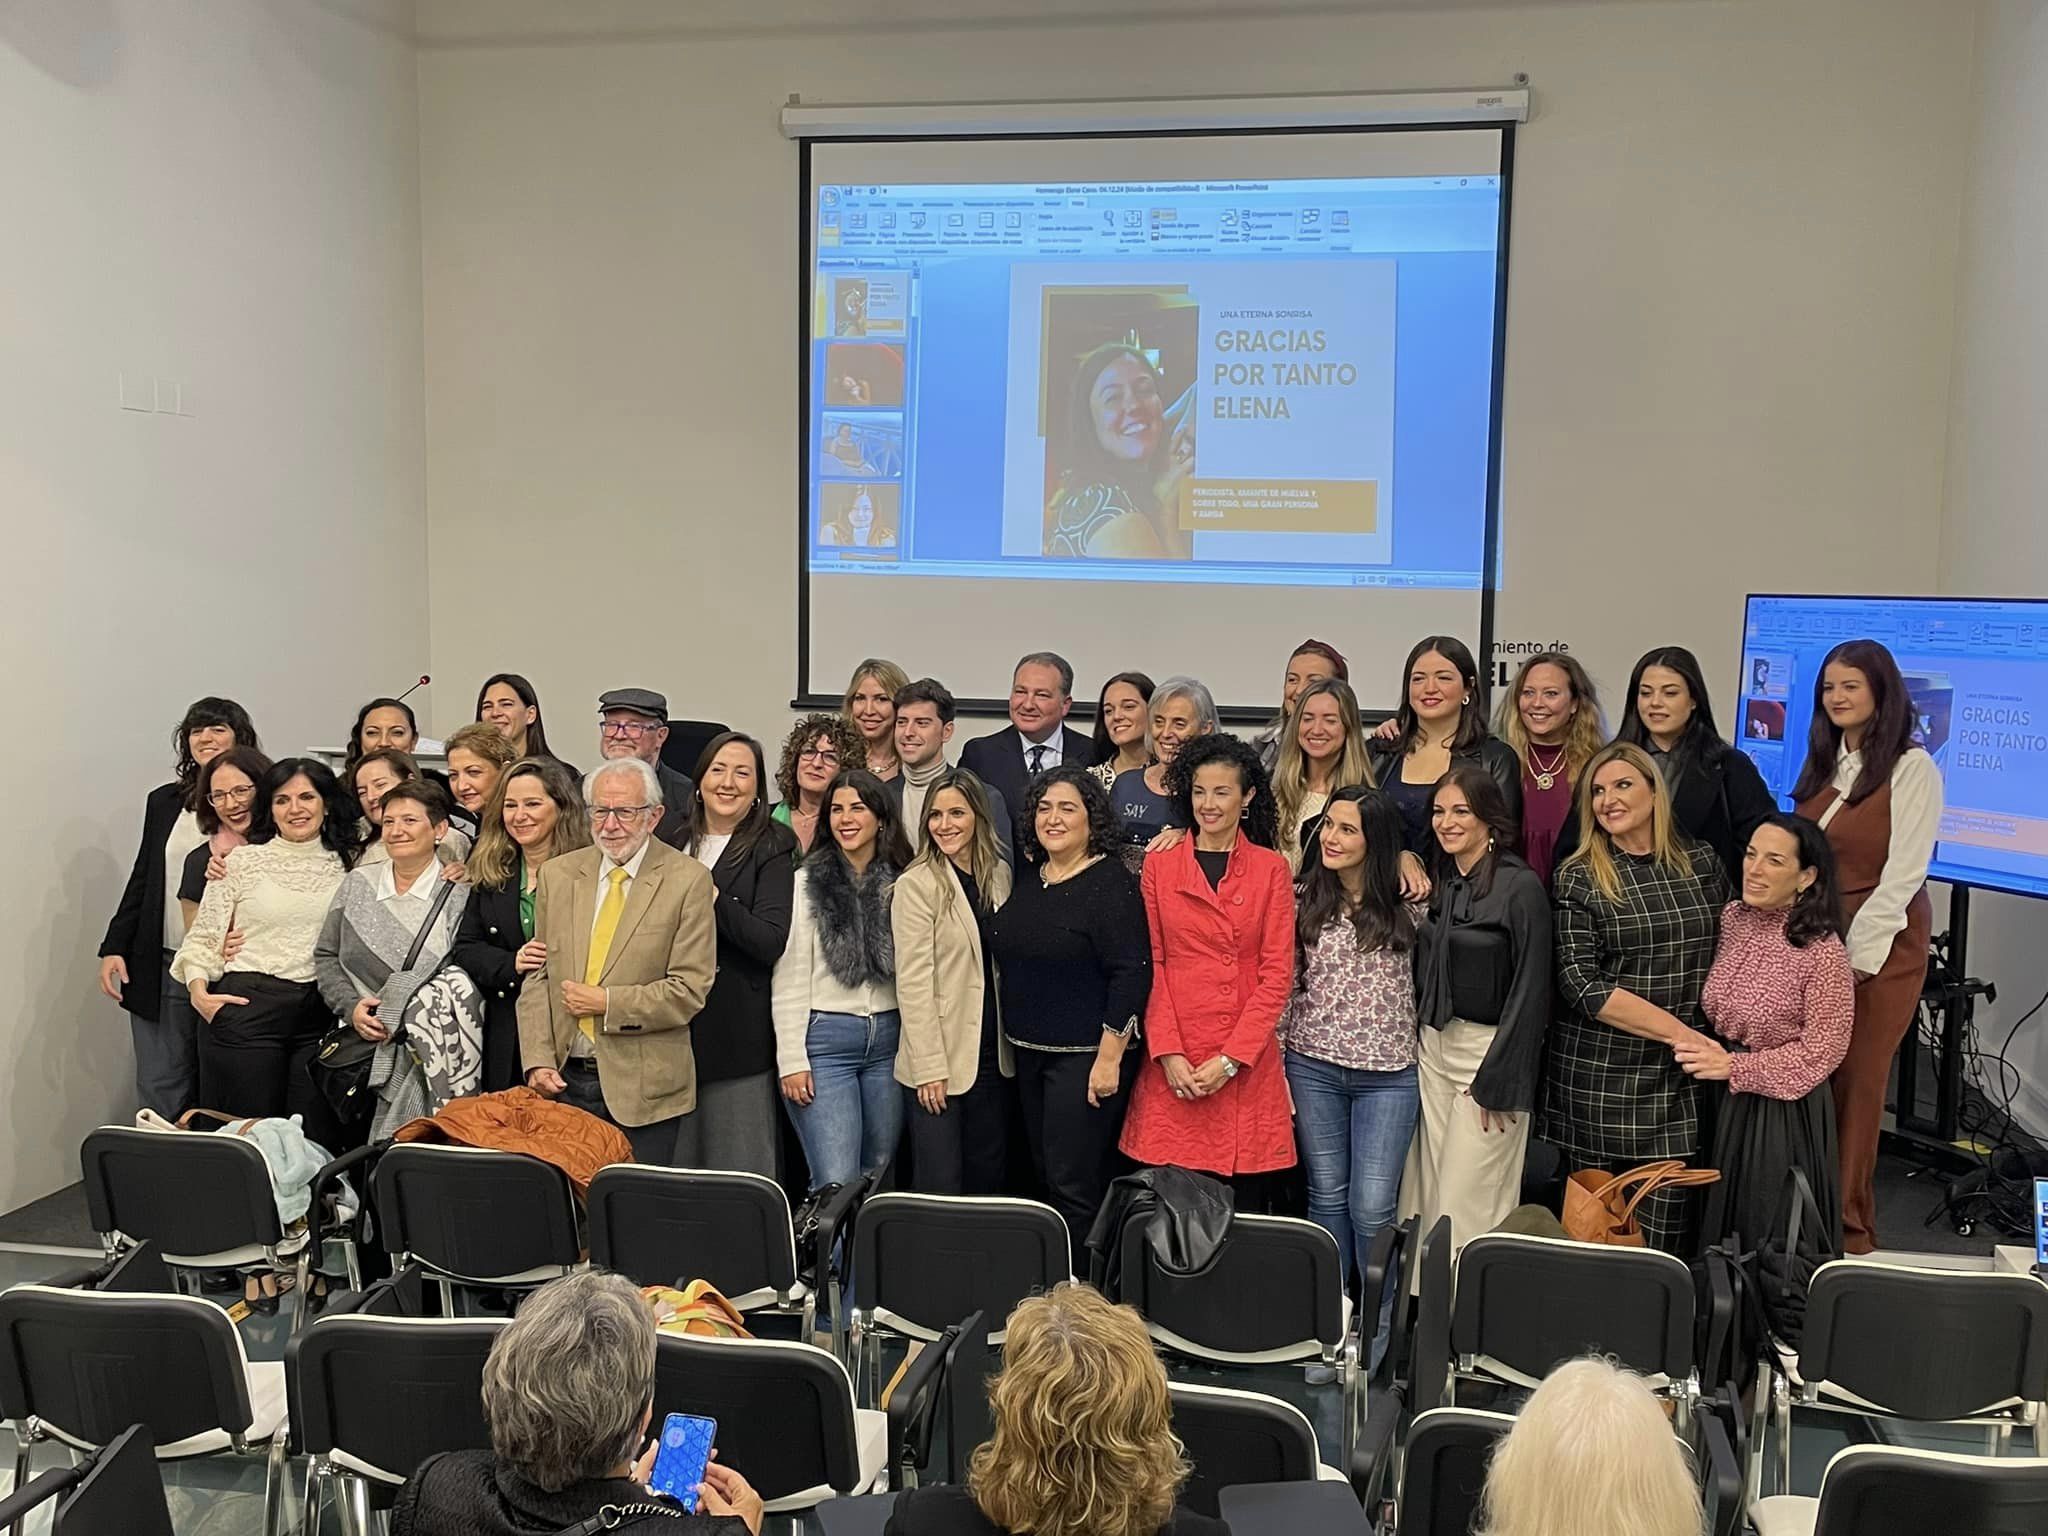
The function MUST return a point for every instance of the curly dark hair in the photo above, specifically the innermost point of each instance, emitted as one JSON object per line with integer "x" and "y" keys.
{"x": 1261, "y": 821}
{"x": 1094, "y": 799}
{"x": 205, "y": 712}
{"x": 340, "y": 828}
{"x": 853, "y": 752}
{"x": 1817, "y": 911}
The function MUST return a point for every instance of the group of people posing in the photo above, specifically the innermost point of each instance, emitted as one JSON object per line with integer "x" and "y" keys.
{"x": 1360, "y": 961}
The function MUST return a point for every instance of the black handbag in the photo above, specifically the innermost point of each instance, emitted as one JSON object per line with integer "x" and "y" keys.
{"x": 341, "y": 1066}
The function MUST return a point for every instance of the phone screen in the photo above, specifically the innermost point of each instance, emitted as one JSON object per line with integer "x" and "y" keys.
{"x": 685, "y": 1453}
{"x": 2041, "y": 1222}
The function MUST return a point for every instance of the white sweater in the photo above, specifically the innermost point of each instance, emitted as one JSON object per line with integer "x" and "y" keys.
{"x": 804, "y": 986}
{"x": 277, "y": 893}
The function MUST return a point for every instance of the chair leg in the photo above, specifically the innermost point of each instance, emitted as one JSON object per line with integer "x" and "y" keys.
{"x": 24, "y": 1446}
{"x": 1759, "y": 1418}
{"x": 1781, "y": 1391}
{"x": 309, "y": 1505}
{"x": 353, "y": 1501}
{"x": 274, "y": 1478}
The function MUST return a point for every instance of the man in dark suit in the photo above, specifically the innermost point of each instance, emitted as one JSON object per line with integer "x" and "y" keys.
{"x": 633, "y": 722}
{"x": 1036, "y": 739}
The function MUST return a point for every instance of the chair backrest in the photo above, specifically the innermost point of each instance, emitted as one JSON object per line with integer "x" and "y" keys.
{"x": 389, "y": 1391}
{"x": 784, "y": 1410}
{"x": 929, "y": 1260}
{"x": 91, "y": 1363}
{"x": 667, "y": 1226}
{"x": 1531, "y": 1303}
{"x": 139, "y": 1271}
{"x": 474, "y": 1213}
{"x": 194, "y": 1194}
{"x": 123, "y": 1492}
{"x": 1723, "y": 1482}
{"x": 1443, "y": 1470}
{"x": 1275, "y": 1291}
{"x": 1239, "y": 1437}
{"x": 686, "y": 742}
{"x": 1880, "y": 1491}
{"x": 1429, "y": 1371}
{"x": 1926, "y": 1344}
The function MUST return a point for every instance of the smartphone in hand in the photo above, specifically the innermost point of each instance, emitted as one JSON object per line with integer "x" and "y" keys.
{"x": 684, "y": 1454}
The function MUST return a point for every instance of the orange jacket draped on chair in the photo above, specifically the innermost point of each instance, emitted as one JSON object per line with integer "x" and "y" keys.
{"x": 1222, "y": 964}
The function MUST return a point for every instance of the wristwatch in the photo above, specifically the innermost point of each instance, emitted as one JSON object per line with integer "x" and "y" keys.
{"x": 1229, "y": 1067}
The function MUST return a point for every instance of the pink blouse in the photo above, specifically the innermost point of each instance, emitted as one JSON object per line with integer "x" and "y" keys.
{"x": 1785, "y": 1012}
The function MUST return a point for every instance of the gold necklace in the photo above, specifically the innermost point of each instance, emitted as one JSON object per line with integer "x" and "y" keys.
{"x": 1546, "y": 777}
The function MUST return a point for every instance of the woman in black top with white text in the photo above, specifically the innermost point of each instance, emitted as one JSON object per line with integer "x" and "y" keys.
{"x": 1482, "y": 997}
{"x": 1075, "y": 962}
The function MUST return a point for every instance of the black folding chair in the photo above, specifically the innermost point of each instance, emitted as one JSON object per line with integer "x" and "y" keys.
{"x": 1390, "y": 1386}
{"x": 923, "y": 1261}
{"x": 372, "y": 1397}
{"x": 1927, "y": 1346}
{"x": 1872, "y": 1490}
{"x": 666, "y": 1226}
{"x": 1235, "y": 1437}
{"x": 1274, "y": 1295}
{"x": 785, "y": 1413}
{"x": 205, "y": 1201}
{"x": 1443, "y": 1469}
{"x": 476, "y": 1217}
{"x": 1523, "y": 1305}
{"x": 80, "y": 1367}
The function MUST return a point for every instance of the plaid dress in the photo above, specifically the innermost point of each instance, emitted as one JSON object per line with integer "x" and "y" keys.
{"x": 1613, "y": 1100}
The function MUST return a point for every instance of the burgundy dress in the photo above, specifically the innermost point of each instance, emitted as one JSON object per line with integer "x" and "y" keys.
{"x": 1543, "y": 816}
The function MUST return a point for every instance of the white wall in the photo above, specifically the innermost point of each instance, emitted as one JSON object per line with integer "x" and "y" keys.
{"x": 1995, "y": 530}
{"x": 222, "y": 192}
{"x": 1731, "y": 301}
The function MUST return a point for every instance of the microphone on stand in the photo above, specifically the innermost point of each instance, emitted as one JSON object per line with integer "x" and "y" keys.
{"x": 415, "y": 688}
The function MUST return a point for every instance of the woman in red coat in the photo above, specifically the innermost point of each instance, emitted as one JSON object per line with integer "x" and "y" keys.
{"x": 1220, "y": 905}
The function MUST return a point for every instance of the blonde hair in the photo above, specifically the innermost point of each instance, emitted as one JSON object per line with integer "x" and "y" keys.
{"x": 1588, "y": 728}
{"x": 1596, "y": 848}
{"x": 985, "y": 855}
{"x": 893, "y": 680}
{"x": 1083, "y": 1443}
{"x": 495, "y": 859}
{"x": 1591, "y": 1454}
{"x": 476, "y": 741}
{"x": 1290, "y": 769}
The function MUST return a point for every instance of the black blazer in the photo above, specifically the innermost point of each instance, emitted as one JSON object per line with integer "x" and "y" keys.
{"x": 998, "y": 761}
{"x": 946, "y": 1509}
{"x": 1492, "y": 754}
{"x": 485, "y": 943}
{"x": 733, "y": 1034}
{"x": 1719, "y": 801}
{"x": 136, "y": 930}
{"x": 678, "y": 800}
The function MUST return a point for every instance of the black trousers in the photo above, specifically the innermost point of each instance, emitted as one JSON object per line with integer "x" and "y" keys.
{"x": 654, "y": 1144}
{"x": 1073, "y": 1143}
{"x": 965, "y": 1148}
{"x": 253, "y": 1056}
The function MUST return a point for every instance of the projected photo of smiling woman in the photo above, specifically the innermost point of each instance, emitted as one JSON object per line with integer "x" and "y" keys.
{"x": 1127, "y": 447}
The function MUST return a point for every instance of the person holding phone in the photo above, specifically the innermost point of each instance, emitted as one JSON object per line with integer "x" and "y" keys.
{"x": 568, "y": 1396}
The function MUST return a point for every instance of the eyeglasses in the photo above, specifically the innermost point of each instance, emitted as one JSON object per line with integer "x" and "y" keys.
{"x": 617, "y": 812}
{"x": 633, "y": 728}
{"x": 232, "y": 796}
{"x": 818, "y": 755}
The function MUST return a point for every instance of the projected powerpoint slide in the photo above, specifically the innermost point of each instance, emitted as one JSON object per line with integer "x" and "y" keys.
{"x": 1226, "y": 411}
{"x": 864, "y": 375}
{"x": 861, "y": 446}
{"x": 1979, "y": 690}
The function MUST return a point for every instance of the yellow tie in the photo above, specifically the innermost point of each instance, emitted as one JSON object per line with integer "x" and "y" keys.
{"x": 608, "y": 912}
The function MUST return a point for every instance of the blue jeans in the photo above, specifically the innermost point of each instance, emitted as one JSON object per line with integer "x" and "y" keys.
{"x": 1354, "y": 1128}
{"x": 856, "y": 1110}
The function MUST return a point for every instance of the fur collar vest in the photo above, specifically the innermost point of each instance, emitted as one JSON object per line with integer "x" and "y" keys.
{"x": 852, "y": 915}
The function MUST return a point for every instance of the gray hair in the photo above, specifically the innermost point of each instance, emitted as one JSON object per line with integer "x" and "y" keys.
{"x": 1196, "y": 693}
{"x": 1052, "y": 659}
{"x": 650, "y": 781}
{"x": 568, "y": 1383}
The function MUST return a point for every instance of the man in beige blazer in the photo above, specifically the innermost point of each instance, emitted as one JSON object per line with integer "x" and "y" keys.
{"x": 631, "y": 952}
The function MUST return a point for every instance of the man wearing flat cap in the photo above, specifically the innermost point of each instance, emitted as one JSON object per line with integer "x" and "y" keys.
{"x": 633, "y": 722}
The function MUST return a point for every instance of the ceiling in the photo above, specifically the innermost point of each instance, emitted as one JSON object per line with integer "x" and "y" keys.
{"x": 459, "y": 23}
